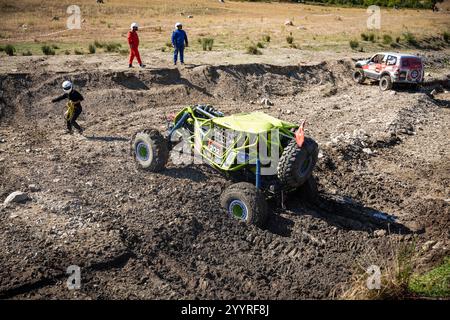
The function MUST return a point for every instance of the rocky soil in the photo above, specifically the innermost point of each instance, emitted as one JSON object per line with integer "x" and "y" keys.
{"x": 383, "y": 177}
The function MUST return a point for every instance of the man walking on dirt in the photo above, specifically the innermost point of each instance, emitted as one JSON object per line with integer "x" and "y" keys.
{"x": 74, "y": 108}
{"x": 179, "y": 42}
{"x": 133, "y": 42}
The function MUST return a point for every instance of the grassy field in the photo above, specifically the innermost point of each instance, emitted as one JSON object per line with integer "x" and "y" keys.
{"x": 28, "y": 24}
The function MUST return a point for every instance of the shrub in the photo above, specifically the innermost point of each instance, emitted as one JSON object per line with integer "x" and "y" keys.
{"x": 98, "y": 44}
{"x": 54, "y": 46}
{"x": 9, "y": 50}
{"x": 410, "y": 38}
{"x": 252, "y": 49}
{"x": 207, "y": 43}
{"x": 67, "y": 52}
{"x": 266, "y": 38}
{"x": 446, "y": 36}
{"x": 78, "y": 52}
{"x": 260, "y": 45}
{"x": 113, "y": 47}
{"x": 47, "y": 50}
{"x": 364, "y": 37}
{"x": 387, "y": 39}
{"x": 2, "y": 49}
{"x": 354, "y": 44}
{"x": 290, "y": 39}
{"x": 372, "y": 37}
{"x": 27, "y": 53}
{"x": 92, "y": 48}
{"x": 397, "y": 40}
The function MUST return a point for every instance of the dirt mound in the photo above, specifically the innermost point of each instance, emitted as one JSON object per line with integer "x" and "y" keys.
{"x": 120, "y": 90}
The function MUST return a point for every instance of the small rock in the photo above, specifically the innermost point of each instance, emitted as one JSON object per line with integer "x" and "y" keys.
{"x": 266, "y": 102}
{"x": 56, "y": 180}
{"x": 89, "y": 183}
{"x": 17, "y": 197}
{"x": 288, "y": 111}
{"x": 33, "y": 188}
{"x": 372, "y": 120}
{"x": 367, "y": 151}
{"x": 379, "y": 233}
{"x": 428, "y": 245}
{"x": 190, "y": 17}
{"x": 288, "y": 23}
{"x": 437, "y": 246}
{"x": 393, "y": 93}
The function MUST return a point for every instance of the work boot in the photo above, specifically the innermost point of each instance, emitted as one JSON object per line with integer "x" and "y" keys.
{"x": 142, "y": 65}
{"x": 80, "y": 131}
{"x": 130, "y": 66}
{"x": 67, "y": 131}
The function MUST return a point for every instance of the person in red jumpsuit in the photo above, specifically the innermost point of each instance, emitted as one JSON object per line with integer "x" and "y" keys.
{"x": 133, "y": 42}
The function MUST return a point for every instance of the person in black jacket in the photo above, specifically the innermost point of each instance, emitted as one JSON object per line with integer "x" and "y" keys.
{"x": 75, "y": 98}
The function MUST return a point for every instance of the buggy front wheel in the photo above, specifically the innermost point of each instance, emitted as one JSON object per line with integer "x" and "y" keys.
{"x": 150, "y": 150}
{"x": 245, "y": 202}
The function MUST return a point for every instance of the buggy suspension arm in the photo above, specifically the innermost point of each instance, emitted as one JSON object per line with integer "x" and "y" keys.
{"x": 178, "y": 125}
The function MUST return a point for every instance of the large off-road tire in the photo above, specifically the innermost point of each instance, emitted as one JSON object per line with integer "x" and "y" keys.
{"x": 296, "y": 164}
{"x": 243, "y": 201}
{"x": 150, "y": 150}
{"x": 308, "y": 191}
{"x": 385, "y": 83}
{"x": 358, "y": 76}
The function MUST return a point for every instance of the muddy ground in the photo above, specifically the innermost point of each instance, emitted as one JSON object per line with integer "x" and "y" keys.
{"x": 384, "y": 165}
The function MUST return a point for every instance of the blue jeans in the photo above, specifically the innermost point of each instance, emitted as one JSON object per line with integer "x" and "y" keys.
{"x": 179, "y": 49}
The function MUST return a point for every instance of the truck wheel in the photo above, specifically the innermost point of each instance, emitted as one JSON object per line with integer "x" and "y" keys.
{"x": 246, "y": 203}
{"x": 308, "y": 191}
{"x": 358, "y": 76}
{"x": 385, "y": 83}
{"x": 296, "y": 164}
{"x": 150, "y": 150}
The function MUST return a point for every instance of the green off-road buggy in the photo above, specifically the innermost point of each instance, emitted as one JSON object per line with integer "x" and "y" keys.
{"x": 269, "y": 157}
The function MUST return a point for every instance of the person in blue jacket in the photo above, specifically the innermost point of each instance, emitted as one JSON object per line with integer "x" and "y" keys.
{"x": 179, "y": 42}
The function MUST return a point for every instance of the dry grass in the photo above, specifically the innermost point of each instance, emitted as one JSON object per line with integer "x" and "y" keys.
{"x": 231, "y": 24}
{"x": 396, "y": 265}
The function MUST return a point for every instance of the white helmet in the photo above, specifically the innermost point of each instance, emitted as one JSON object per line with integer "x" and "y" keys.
{"x": 134, "y": 25}
{"x": 177, "y": 25}
{"x": 67, "y": 86}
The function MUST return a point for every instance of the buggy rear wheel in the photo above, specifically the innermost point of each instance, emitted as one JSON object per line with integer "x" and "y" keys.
{"x": 296, "y": 164}
{"x": 150, "y": 150}
{"x": 245, "y": 202}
